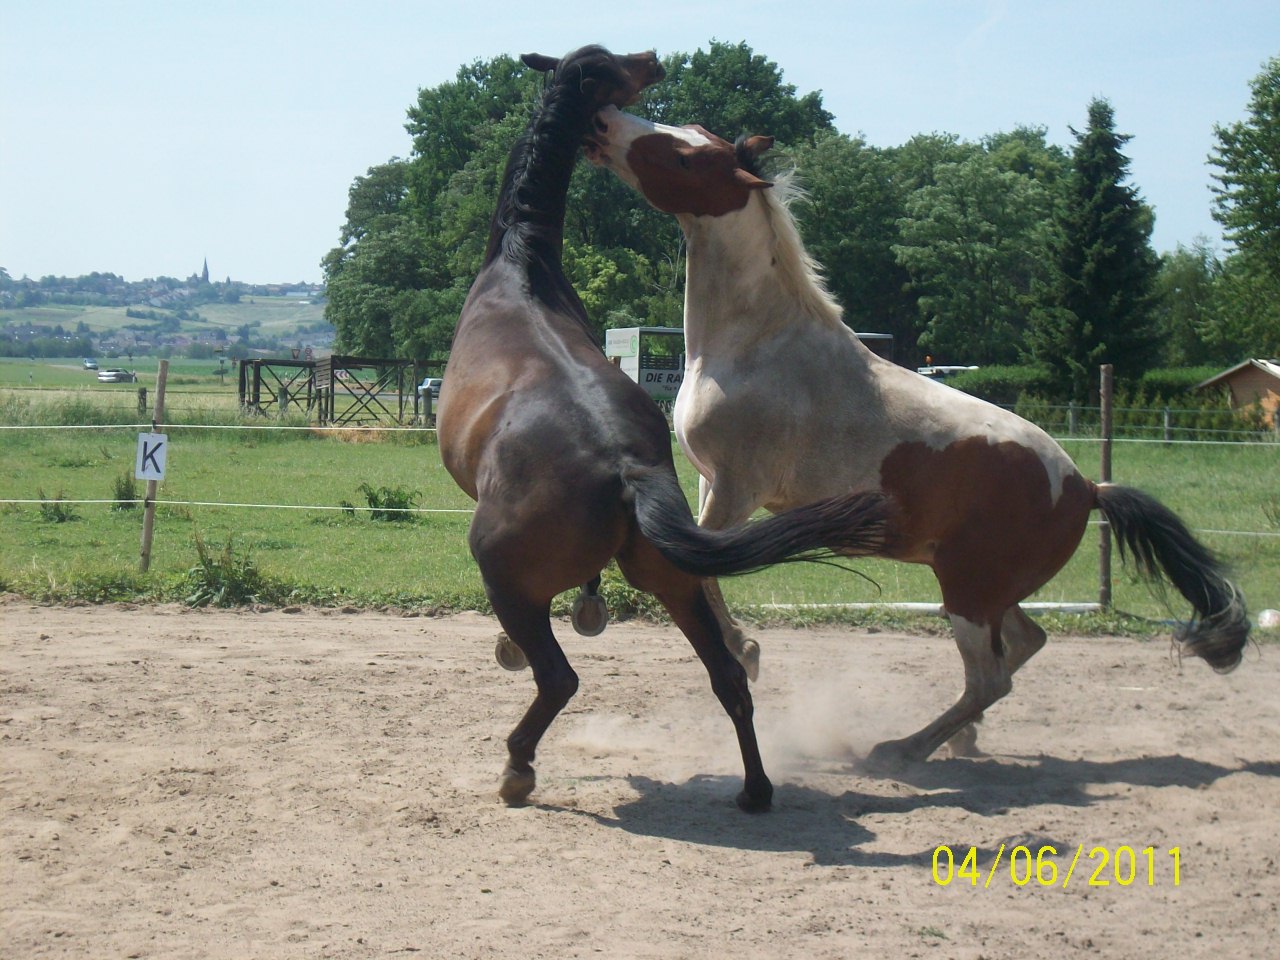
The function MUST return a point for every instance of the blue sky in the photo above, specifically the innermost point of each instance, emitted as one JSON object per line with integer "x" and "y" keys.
{"x": 141, "y": 137}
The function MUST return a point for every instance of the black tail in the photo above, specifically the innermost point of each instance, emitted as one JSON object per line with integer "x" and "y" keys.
{"x": 853, "y": 525}
{"x": 1162, "y": 546}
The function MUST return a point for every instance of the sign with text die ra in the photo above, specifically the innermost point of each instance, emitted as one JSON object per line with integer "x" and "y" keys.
{"x": 153, "y": 450}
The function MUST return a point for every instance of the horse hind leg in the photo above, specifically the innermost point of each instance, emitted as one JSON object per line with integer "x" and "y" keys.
{"x": 685, "y": 600}
{"x": 986, "y": 680}
{"x": 1022, "y": 638}
{"x": 528, "y": 628}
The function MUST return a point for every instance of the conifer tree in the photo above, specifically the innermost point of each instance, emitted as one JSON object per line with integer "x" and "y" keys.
{"x": 1097, "y": 307}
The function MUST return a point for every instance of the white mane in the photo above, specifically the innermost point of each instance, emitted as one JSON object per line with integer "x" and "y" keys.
{"x": 801, "y": 274}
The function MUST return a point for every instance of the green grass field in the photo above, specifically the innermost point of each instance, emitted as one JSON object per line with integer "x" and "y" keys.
{"x": 333, "y": 556}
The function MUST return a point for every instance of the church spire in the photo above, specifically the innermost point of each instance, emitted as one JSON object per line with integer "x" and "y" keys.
{"x": 204, "y": 274}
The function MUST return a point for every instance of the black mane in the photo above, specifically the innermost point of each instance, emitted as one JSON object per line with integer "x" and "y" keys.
{"x": 528, "y": 223}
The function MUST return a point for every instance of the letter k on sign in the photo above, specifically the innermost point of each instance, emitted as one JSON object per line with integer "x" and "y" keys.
{"x": 152, "y": 451}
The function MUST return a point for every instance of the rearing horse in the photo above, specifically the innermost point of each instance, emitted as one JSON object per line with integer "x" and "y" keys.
{"x": 568, "y": 460}
{"x": 782, "y": 404}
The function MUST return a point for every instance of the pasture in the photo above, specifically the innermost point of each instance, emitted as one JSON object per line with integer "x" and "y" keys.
{"x": 328, "y": 555}
{"x": 270, "y": 316}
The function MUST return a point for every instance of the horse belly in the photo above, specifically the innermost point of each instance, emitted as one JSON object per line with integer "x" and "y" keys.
{"x": 992, "y": 519}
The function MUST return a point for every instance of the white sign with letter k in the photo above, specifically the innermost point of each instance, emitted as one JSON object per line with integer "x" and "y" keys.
{"x": 153, "y": 448}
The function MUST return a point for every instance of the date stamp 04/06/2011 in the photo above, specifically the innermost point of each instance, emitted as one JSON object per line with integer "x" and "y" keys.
{"x": 1043, "y": 866}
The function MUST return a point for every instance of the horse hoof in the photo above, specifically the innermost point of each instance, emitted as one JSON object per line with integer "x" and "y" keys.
{"x": 590, "y": 615}
{"x": 964, "y": 743}
{"x": 510, "y": 656}
{"x": 749, "y": 657}
{"x": 515, "y": 787}
{"x": 757, "y": 800}
{"x": 887, "y": 758}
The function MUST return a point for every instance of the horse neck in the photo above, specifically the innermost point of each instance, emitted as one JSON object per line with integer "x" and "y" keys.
{"x": 747, "y": 277}
{"x": 528, "y": 224}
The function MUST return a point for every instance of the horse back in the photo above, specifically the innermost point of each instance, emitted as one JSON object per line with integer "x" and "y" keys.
{"x": 528, "y": 396}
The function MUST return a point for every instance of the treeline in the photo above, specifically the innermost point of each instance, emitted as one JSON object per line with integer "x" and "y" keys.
{"x": 112, "y": 290}
{"x": 51, "y": 346}
{"x": 1007, "y": 251}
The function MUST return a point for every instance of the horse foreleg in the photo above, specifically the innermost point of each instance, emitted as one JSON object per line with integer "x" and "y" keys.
{"x": 744, "y": 649}
{"x": 528, "y": 626}
{"x": 716, "y": 511}
{"x": 986, "y": 680}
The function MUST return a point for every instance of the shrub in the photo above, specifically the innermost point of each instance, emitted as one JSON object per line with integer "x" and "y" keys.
{"x": 125, "y": 492}
{"x": 53, "y": 510}
{"x": 390, "y": 503}
{"x": 1175, "y": 383}
{"x": 222, "y": 580}
{"x": 1003, "y": 385}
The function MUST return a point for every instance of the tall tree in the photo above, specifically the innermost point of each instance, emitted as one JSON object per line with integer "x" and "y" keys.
{"x": 1185, "y": 313}
{"x": 730, "y": 89}
{"x": 1247, "y": 204}
{"x": 972, "y": 245}
{"x": 849, "y": 219}
{"x": 1097, "y": 307}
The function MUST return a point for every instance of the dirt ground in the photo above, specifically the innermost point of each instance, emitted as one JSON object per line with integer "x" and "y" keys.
{"x": 322, "y": 784}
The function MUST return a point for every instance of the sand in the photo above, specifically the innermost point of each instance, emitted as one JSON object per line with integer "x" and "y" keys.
{"x": 323, "y": 784}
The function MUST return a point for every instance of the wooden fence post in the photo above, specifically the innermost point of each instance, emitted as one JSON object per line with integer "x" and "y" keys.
{"x": 149, "y": 504}
{"x": 1104, "y": 476}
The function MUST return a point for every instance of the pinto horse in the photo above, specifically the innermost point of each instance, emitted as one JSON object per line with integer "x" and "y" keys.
{"x": 569, "y": 461}
{"x": 782, "y": 404}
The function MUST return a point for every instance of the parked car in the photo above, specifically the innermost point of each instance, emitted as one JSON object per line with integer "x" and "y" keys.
{"x": 431, "y": 384}
{"x": 90, "y": 363}
{"x": 942, "y": 372}
{"x": 117, "y": 376}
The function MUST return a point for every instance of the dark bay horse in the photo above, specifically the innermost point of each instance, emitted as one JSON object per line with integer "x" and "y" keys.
{"x": 569, "y": 461}
{"x": 782, "y": 404}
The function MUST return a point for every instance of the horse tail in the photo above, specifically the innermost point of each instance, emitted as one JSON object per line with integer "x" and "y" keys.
{"x": 1163, "y": 548}
{"x": 851, "y": 525}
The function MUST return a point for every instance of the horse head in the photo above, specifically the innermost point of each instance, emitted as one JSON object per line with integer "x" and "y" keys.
{"x": 679, "y": 170}
{"x": 606, "y": 79}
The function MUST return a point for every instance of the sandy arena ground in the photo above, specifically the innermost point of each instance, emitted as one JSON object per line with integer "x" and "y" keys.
{"x": 322, "y": 784}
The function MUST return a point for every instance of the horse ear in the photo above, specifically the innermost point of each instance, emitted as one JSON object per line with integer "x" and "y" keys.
{"x": 757, "y": 146}
{"x": 749, "y": 180}
{"x": 539, "y": 62}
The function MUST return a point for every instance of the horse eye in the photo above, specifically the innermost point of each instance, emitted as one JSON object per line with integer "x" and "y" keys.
{"x": 683, "y": 159}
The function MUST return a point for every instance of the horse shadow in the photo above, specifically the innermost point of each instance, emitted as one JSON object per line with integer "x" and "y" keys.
{"x": 833, "y": 830}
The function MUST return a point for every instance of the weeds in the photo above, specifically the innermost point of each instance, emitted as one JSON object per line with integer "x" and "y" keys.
{"x": 223, "y": 580}
{"x": 125, "y": 492}
{"x": 390, "y": 503}
{"x": 53, "y": 510}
